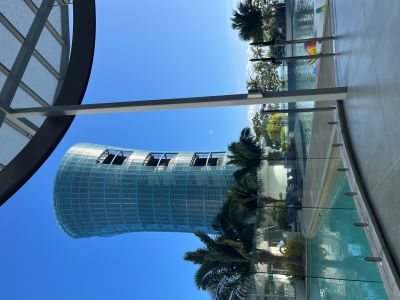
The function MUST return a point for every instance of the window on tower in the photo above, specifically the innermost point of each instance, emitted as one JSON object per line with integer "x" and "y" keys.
{"x": 208, "y": 159}
{"x": 216, "y": 159}
{"x": 199, "y": 159}
{"x": 159, "y": 159}
{"x": 113, "y": 157}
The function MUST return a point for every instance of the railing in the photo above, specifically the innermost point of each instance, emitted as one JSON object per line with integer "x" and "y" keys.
{"x": 316, "y": 222}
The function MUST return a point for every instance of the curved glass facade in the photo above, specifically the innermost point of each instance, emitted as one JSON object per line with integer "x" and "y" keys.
{"x": 103, "y": 191}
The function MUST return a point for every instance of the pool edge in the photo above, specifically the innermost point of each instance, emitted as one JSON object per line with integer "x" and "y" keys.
{"x": 387, "y": 268}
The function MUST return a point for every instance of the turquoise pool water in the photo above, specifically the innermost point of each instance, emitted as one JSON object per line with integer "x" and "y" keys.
{"x": 337, "y": 250}
{"x": 301, "y": 74}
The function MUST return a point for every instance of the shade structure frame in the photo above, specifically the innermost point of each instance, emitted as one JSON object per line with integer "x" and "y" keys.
{"x": 34, "y": 154}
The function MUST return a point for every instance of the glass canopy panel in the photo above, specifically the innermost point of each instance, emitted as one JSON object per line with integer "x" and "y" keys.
{"x": 2, "y": 79}
{"x": 40, "y": 80}
{"x": 11, "y": 141}
{"x": 23, "y": 99}
{"x": 18, "y": 14}
{"x": 9, "y": 47}
{"x": 55, "y": 18}
{"x": 50, "y": 48}
{"x": 42, "y": 73}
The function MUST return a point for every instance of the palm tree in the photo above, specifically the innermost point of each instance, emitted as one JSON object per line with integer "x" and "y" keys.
{"x": 246, "y": 191}
{"x": 226, "y": 266}
{"x": 245, "y": 154}
{"x": 236, "y": 222}
{"x": 225, "y": 250}
{"x": 248, "y": 19}
{"x": 224, "y": 281}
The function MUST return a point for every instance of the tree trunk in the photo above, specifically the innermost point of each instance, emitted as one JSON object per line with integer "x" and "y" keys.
{"x": 269, "y": 200}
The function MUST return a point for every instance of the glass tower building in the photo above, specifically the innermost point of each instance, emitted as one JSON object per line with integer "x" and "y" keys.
{"x": 104, "y": 191}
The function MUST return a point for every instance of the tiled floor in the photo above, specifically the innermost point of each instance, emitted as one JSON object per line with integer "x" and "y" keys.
{"x": 369, "y": 64}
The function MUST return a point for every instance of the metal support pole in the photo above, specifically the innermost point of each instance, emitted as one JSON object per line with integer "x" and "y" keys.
{"x": 288, "y": 42}
{"x": 350, "y": 194}
{"x": 280, "y": 59}
{"x": 299, "y": 158}
{"x": 329, "y": 278}
{"x": 299, "y": 110}
{"x": 309, "y": 207}
{"x": 323, "y": 94}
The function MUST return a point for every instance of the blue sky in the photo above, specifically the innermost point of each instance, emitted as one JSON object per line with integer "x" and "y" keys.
{"x": 144, "y": 50}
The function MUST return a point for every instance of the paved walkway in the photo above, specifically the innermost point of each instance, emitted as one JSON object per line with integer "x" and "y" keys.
{"x": 369, "y": 64}
{"x": 320, "y": 173}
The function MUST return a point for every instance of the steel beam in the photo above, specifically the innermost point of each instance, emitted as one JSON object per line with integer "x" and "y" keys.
{"x": 324, "y": 94}
{"x": 298, "y": 110}
{"x": 289, "y": 42}
{"x": 290, "y": 58}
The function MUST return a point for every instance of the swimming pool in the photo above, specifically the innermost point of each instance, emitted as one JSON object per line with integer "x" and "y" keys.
{"x": 337, "y": 250}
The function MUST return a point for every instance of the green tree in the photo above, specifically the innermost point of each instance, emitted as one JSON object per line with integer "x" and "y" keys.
{"x": 250, "y": 198}
{"x": 238, "y": 214}
{"x": 257, "y": 52}
{"x": 276, "y": 123}
{"x": 235, "y": 222}
{"x": 258, "y": 121}
{"x": 245, "y": 153}
{"x": 264, "y": 77}
{"x": 274, "y": 17}
{"x": 294, "y": 247}
{"x": 224, "y": 271}
{"x": 280, "y": 215}
{"x": 248, "y": 19}
{"x": 225, "y": 266}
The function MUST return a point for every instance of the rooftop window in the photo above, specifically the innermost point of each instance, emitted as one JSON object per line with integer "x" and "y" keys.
{"x": 208, "y": 159}
{"x": 113, "y": 157}
{"x": 159, "y": 159}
